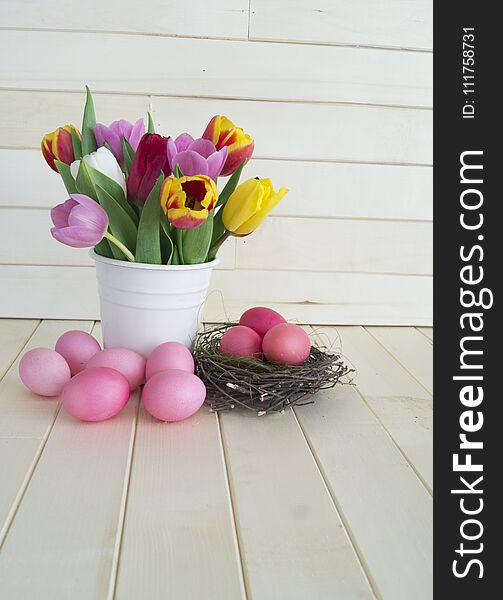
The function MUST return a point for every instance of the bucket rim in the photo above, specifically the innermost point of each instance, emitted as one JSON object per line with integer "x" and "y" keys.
{"x": 149, "y": 267}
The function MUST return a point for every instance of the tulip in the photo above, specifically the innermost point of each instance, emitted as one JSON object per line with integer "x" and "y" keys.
{"x": 222, "y": 132}
{"x": 81, "y": 222}
{"x": 187, "y": 201}
{"x": 150, "y": 159}
{"x": 58, "y": 145}
{"x": 115, "y": 132}
{"x": 249, "y": 205}
{"x": 196, "y": 157}
{"x": 103, "y": 161}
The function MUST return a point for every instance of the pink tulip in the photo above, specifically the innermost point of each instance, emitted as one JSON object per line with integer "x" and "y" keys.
{"x": 79, "y": 222}
{"x": 114, "y": 133}
{"x": 196, "y": 157}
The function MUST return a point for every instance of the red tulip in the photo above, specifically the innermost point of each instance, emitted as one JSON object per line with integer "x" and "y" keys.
{"x": 150, "y": 159}
{"x": 222, "y": 132}
{"x": 58, "y": 145}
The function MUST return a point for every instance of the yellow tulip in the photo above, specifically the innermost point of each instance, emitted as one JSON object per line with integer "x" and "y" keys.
{"x": 249, "y": 205}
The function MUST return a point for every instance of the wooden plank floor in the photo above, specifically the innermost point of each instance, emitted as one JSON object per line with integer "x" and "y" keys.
{"x": 327, "y": 501}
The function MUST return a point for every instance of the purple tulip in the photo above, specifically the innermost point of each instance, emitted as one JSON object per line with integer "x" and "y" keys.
{"x": 196, "y": 157}
{"x": 79, "y": 222}
{"x": 114, "y": 133}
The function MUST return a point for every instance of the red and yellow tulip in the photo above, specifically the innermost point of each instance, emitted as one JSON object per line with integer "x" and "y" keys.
{"x": 187, "y": 201}
{"x": 222, "y": 132}
{"x": 249, "y": 205}
{"x": 58, "y": 145}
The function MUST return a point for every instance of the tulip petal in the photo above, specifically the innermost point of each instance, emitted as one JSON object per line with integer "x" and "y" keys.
{"x": 184, "y": 218}
{"x": 137, "y": 132}
{"x": 258, "y": 218}
{"x": 216, "y": 162}
{"x": 244, "y": 202}
{"x": 183, "y": 141}
{"x": 203, "y": 147}
{"x": 92, "y": 220}
{"x": 76, "y": 237}
{"x": 107, "y": 134}
{"x": 63, "y": 146}
{"x": 61, "y": 212}
{"x": 190, "y": 163}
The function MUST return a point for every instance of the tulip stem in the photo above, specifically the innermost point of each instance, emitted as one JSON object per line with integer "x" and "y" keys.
{"x": 216, "y": 245}
{"x": 119, "y": 245}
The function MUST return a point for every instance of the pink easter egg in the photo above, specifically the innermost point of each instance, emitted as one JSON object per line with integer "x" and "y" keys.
{"x": 95, "y": 394}
{"x": 261, "y": 319}
{"x": 241, "y": 341}
{"x": 77, "y": 348}
{"x": 173, "y": 395}
{"x": 128, "y": 362}
{"x": 170, "y": 355}
{"x": 44, "y": 371}
{"x": 286, "y": 344}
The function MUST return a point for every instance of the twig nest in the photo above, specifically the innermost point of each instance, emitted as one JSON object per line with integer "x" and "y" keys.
{"x": 259, "y": 385}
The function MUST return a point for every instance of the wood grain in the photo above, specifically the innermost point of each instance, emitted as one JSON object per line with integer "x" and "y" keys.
{"x": 411, "y": 349}
{"x": 221, "y": 18}
{"x": 73, "y": 504}
{"x": 14, "y": 333}
{"x": 178, "y": 499}
{"x": 291, "y": 538}
{"x": 261, "y": 71}
{"x": 343, "y": 132}
{"x": 26, "y": 422}
{"x": 387, "y": 23}
{"x": 384, "y": 505}
{"x": 402, "y": 405}
{"x": 320, "y": 244}
{"x": 344, "y": 298}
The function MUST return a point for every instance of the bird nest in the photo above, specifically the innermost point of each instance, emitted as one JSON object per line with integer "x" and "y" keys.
{"x": 258, "y": 385}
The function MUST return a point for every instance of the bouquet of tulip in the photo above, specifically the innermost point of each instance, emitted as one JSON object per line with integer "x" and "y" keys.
{"x": 136, "y": 195}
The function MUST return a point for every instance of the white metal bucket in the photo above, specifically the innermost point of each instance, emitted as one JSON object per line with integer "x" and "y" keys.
{"x": 143, "y": 305}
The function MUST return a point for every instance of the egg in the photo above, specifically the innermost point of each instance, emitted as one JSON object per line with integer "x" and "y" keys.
{"x": 95, "y": 394}
{"x": 286, "y": 344}
{"x": 241, "y": 341}
{"x": 77, "y": 347}
{"x": 128, "y": 362}
{"x": 173, "y": 395}
{"x": 44, "y": 371}
{"x": 170, "y": 355}
{"x": 261, "y": 319}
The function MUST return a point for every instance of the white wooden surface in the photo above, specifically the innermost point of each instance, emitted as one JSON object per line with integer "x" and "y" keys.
{"x": 328, "y": 501}
{"x": 337, "y": 95}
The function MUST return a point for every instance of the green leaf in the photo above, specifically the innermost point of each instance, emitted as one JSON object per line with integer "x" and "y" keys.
{"x": 148, "y": 245}
{"x": 178, "y": 172}
{"x": 166, "y": 241}
{"x": 120, "y": 223}
{"x": 113, "y": 189}
{"x": 150, "y": 124}
{"x": 128, "y": 154}
{"x": 175, "y": 259}
{"x": 103, "y": 249}
{"x": 230, "y": 186}
{"x": 66, "y": 176}
{"x": 85, "y": 184}
{"x": 77, "y": 144}
{"x": 88, "y": 123}
{"x": 196, "y": 242}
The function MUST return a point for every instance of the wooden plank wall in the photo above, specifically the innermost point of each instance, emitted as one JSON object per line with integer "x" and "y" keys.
{"x": 337, "y": 95}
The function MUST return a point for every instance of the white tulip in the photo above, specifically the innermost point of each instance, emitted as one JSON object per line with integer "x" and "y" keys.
{"x": 103, "y": 161}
